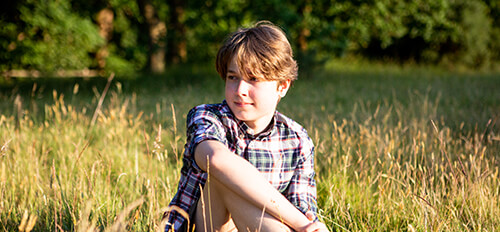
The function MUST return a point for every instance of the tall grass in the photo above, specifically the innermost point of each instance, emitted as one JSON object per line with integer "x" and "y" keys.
{"x": 396, "y": 149}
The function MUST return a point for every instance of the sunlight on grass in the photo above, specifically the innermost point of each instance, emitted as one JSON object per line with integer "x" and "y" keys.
{"x": 394, "y": 151}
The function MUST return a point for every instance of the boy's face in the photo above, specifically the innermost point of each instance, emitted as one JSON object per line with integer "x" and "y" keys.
{"x": 252, "y": 99}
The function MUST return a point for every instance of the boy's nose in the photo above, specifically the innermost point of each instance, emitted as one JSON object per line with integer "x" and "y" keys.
{"x": 242, "y": 87}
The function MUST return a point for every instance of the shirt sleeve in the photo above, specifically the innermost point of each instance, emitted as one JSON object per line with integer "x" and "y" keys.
{"x": 203, "y": 123}
{"x": 302, "y": 189}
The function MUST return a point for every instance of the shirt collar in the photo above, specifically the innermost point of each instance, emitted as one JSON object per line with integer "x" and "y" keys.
{"x": 245, "y": 129}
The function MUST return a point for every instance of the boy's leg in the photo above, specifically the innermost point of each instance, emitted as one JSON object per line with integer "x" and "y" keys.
{"x": 229, "y": 211}
{"x": 210, "y": 212}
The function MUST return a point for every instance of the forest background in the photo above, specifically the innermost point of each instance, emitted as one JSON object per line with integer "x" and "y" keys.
{"x": 400, "y": 98}
{"x": 53, "y": 37}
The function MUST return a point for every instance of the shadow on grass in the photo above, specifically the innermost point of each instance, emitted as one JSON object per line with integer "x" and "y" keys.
{"x": 174, "y": 77}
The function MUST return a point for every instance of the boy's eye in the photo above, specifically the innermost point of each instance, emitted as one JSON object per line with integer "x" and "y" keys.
{"x": 254, "y": 79}
{"x": 230, "y": 77}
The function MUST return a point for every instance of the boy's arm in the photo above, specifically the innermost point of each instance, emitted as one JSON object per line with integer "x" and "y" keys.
{"x": 301, "y": 191}
{"x": 245, "y": 180}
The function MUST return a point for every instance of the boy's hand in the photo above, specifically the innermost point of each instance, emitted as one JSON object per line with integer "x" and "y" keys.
{"x": 314, "y": 226}
{"x": 310, "y": 215}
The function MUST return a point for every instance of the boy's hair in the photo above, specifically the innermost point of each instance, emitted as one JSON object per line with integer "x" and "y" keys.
{"x": 261, "y": 51}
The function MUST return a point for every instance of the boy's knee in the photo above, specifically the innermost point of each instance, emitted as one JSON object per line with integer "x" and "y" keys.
{"x": 211, "y": 209}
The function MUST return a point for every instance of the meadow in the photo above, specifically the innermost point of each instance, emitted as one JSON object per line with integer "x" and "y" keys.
{"x": 397, "y": 148}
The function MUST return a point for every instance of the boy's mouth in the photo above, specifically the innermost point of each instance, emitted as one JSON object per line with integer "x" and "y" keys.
{"x": 242, "y": 104}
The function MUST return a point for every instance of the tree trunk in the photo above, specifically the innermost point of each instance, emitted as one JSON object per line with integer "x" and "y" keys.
{"x": 177, "y": 38}
{"x": 157, "y": 31}
{"x": 304, "y": 32}
{"x": 302, "y": 40}
{"x": 105, "y": 21}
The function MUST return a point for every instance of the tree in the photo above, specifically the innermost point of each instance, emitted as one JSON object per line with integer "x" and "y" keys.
{"x": 48, "y": 36}
{"x": 126, "y": 36}
{"x": 105, "y": 23}
{"x": 157, "y": 31}
{"x": 177, "y": 37}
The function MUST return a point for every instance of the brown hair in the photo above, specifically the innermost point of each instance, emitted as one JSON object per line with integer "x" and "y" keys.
{"x": 261, "y": 51}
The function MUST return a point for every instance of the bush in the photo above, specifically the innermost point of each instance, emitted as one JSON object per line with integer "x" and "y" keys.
{"x": 50, "y": 37}
{"x": 425, "y": 31}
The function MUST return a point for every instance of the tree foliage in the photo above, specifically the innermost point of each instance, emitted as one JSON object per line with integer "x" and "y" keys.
{"x": 48, "y": 36}
{"x": 51, "y": 35}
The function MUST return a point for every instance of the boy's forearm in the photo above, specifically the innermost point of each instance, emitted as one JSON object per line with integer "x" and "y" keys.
{"x": 244, "y": 179}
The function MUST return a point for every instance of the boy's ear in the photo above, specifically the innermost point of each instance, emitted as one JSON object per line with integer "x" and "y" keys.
{"x": 283, "y": 87}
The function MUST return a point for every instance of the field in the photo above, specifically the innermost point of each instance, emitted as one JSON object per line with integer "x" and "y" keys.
{"x": 397, "y": 149}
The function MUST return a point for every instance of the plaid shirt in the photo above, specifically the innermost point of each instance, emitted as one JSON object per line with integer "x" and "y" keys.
{"x": 283, "y": 153}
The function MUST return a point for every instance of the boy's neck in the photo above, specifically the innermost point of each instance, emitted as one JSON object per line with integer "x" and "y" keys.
{"x": 256, "y": 127}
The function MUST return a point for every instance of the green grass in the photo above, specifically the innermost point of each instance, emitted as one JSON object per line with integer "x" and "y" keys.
{"x": 413, "y": 149}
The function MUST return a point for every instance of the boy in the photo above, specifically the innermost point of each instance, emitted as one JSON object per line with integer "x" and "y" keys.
{"x": 246, "y": 166}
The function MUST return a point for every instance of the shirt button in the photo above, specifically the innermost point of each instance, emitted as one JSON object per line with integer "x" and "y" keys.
{"x": 241, "y": 136}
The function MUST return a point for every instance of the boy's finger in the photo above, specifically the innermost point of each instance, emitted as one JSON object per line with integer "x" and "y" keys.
{"x": 316, "y": 227}
{"x": 310, "y": 215}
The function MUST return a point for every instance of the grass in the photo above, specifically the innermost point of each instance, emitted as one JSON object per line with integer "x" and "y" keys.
{"x": 409, "y": 148}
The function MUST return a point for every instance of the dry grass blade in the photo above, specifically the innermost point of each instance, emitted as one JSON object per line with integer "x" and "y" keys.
{"x": 5, "y": 146}
{"x": 31, "y": 223}
{"x": 22, "y": 226}
{"x": 178, "y": 210}
{"x": 119, "y": 224}
{"x": 84, "y": 224}
{"x": 101, "y": 99}
{"x": 80, "y": 154}
{"x": 443, "y": 151}
{"x": 27, "y": 222}
{"x": 262, "y": 217}
{"x": 202, "y": 198}
{"x": 146, "y": 141}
